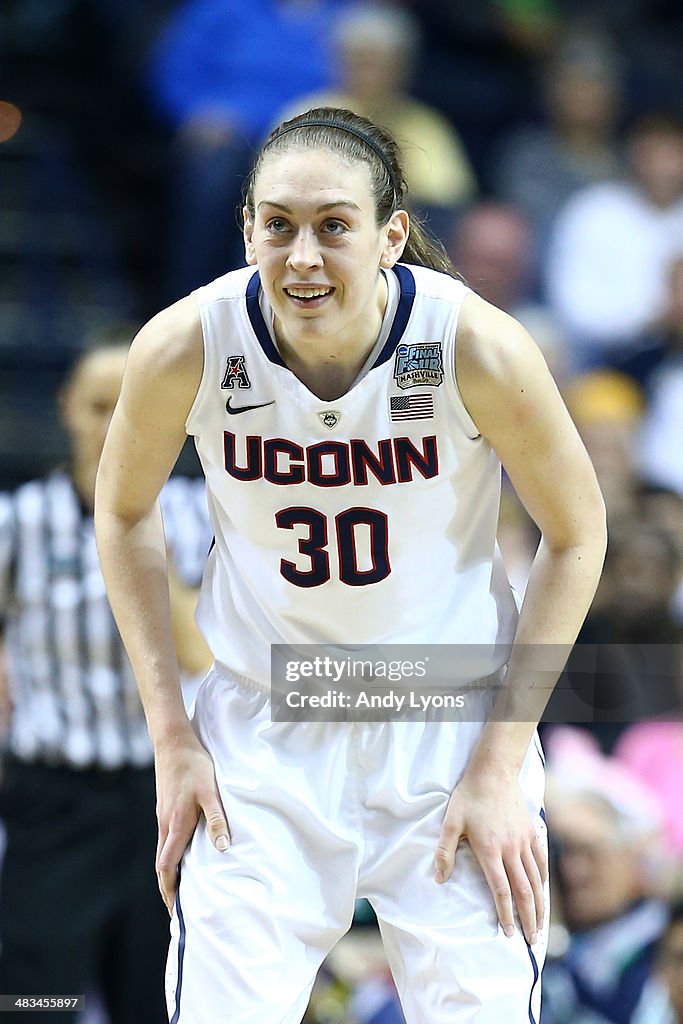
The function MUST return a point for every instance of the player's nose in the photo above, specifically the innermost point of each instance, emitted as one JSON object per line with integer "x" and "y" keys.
{"x": 305, "y": 252}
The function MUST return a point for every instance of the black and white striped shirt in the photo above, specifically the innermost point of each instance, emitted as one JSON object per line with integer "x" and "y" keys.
{"x": 74, "y": 696}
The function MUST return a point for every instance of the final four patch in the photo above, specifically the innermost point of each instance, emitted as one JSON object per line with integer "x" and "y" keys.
{"x": 236, "y": 375}
{"x": 417, "y": 365}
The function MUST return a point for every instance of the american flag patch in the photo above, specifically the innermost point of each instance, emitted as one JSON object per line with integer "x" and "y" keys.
{"x": 412, "y": 407}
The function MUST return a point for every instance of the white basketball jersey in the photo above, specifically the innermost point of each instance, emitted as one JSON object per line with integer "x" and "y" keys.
{"x": 368, "y": 519}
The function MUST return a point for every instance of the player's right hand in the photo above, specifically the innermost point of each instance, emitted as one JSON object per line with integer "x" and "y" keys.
{"x": 186, "y": 788}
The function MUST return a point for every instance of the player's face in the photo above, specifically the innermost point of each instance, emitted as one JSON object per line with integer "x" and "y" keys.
{"x": 317, "y": 245}
{"x": 88, "y": 402}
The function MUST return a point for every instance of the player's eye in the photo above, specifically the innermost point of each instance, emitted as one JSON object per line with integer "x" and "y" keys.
{"x": 277, "y": 225}
{"x": 334, "y": 227}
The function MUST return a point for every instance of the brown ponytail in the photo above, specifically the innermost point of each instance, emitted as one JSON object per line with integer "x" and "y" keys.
{"x": 358, "y": 140}
{"x": 424, "y": 250}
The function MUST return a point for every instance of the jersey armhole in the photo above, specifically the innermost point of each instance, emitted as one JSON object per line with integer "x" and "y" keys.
{"x": 195, "y": 408}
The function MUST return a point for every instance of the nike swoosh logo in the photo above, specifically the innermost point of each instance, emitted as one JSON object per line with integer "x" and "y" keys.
{"x": 245, "y": 408}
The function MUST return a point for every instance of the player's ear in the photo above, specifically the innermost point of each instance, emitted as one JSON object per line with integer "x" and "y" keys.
{"x": 248, "y": 232}
{"x": 396, "y": 233}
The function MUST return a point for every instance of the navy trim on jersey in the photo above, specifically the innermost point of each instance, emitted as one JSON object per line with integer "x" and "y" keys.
{"x": 537, "y": 974}
{"x": 406, "y": 284}
{"x": 539, "y": 749}
{"x": 181, "y": 953}
{"x": 258, "y": 323}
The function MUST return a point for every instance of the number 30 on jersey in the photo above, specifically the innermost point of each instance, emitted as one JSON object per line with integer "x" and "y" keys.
{"x": 357, "y": 532}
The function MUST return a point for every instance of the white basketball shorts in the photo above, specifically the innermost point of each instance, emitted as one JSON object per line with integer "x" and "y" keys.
{"x": 320, "y": 814}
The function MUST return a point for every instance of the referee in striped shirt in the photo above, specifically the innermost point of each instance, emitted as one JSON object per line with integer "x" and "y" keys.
{"x": 79, "y": 904}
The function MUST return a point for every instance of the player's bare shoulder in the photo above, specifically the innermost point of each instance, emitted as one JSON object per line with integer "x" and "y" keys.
{"x": 173, "y": 338}
{"x": 488, "y": 340}
{"x": 497, "y": 362}
{"x": 168, "y": 352}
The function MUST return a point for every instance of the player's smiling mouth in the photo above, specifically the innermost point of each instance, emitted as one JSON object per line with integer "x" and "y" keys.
{"x": 308, "y": 295}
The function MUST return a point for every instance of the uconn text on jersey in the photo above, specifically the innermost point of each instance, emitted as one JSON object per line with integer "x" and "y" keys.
{"x": 329, "y": 463}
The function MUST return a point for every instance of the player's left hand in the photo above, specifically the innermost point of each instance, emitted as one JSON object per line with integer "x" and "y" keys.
{"x": 489, "y": 813}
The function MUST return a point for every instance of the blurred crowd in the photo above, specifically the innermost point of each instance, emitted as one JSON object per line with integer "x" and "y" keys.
{"x": 544, "y": 146}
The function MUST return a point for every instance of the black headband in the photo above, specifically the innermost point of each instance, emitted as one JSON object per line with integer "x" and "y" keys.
{"x": 366, "y": 139}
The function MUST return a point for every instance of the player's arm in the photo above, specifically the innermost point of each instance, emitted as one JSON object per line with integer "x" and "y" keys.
{"x": 145, "y": 436}
{"x": 515, "y": 404}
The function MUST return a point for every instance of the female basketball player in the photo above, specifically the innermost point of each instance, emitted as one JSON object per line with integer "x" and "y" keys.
{"x": 351, "y": 413}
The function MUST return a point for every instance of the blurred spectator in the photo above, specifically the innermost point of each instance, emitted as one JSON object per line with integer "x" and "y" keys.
{"x": 660, "y": 453}
{"x": 653, "y": 752}
{"x": 624, "y": 667}
{"x": 663, "y": 344}
{"x": 219, "y": 74}
{"x": 479, "y": 64}
{"x": 607, "y": 407}
{"x": 662, "y": 1001}
{"x": 670, "y": 962}
{"x": 492, "y": 246}
{"x": 664, "y": 507}
{"x": 633, "y": 610}
{"x": 605, "y": 838}
{"x": 612, "y": 245}
{"x": 538, "y": 167}
{"x": 649, "y": 34}
{"x": 79, "y": 906}
{"x": 377, "y": 49}
{"x": 642, "y": 568}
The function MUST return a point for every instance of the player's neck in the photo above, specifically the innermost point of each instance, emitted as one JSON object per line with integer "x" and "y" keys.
{"x": 329, "y": 364}
{"x": 328, "y": 380}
